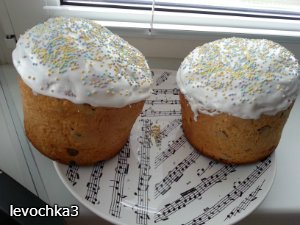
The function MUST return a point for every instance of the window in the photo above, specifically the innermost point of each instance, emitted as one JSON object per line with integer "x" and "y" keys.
{"x": 254, "y": 17}
{"x": 259, "y": 8}
{"x": 170, "y": 28}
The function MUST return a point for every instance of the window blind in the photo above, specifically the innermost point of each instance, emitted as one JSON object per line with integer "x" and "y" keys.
{"x": 187, "y": 18}
{"x": 277, "y": 9}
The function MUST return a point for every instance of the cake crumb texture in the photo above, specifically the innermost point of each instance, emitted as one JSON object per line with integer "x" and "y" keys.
{"x": 79, "y": 133}
{"x": 231, "y": 139}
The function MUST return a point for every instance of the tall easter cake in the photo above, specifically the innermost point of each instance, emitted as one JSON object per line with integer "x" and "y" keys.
{"x": 236, "y": 95}
{"x": 83, "y": 88}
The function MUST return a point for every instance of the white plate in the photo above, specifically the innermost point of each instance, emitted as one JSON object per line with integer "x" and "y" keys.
{"x": 158, "y": 178}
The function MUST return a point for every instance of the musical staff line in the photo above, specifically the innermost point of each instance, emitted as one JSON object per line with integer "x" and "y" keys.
{"x": 175, "y": 174}
{"x": 167, "y": 130}
{"x": 162, "y": 78}
{"x": 180, "y": 187}
{"x": 93, "y": 186}
{"x": 121, "y": 171}
{"x": 194, "y": 193}
{"x": 211, "y": 164}
{"x": 172, "y": 148}
{"x": 236, "y": 193}
{"x": 173, "y": 91}
{"x": 171, "y": 126}
{"x": 152, "y": 113}
{"x": 246, "y": 202}
{"x": 141, "y": 211}
{"x": 162, "y": 102}
{"x": 72, "y": 173}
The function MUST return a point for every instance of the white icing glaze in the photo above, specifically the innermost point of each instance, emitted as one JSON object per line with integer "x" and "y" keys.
{"x": 79, "y": 60}
{"x": 245, "y": 78}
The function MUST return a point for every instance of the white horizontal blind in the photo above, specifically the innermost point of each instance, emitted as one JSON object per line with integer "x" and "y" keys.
{"x": 210, "y": 15}
{"x": 270, "y": 18}
{"x": 269, "y": 5}
{"x": 142, "y": 4}
{"x": 274, "y": 8}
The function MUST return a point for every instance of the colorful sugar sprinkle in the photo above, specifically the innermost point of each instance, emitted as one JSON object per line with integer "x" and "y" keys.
{"x": 73, "y": 51}
{"x": 234, "y": 73}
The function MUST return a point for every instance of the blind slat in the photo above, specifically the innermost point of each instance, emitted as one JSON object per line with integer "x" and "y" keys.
{"x": 267, "y": 8}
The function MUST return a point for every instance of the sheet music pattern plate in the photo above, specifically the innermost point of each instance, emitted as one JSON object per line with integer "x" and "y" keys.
{"x": 158, "y": 178}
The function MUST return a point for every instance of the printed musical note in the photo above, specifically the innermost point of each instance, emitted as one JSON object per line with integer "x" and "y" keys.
{"x": 175, "y": 174}
{"x": 141, "y": 211}
{"x": 167, "y": 130}
{"x": 162, "y": 78}
{"x": 121, "y": 171}
{"x": 152, "y": 113}
{"x": 201, "y": 171}
{"x": 246, "y": 202}
{"x": 171, "y": 126}
{"x": 172, "y": 148}
{"x": 72, "y": 173}
{"x": 93, "y": 185}
{"x": 173, "y": 91}
{"x": 162, "y": 102}
{"x": 236, "y": 193}
{"x": 194, "y": 193}
{"x": 167, "y": 190}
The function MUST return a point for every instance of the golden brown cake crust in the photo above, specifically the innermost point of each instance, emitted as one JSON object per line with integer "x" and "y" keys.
{"x": 68, "y": 132}
{"x": 231, "y": 139}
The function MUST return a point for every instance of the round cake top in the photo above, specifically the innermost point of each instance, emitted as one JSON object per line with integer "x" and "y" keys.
{"x": 79, "y": 60}
{"x": 241, "y": 77}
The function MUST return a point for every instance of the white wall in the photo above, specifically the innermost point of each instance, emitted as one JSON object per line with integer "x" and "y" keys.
{"x": 24, "y": 14}
{"x": 12, "y": 160}
{"x": 5, "y": 28}
{"x": 3, "y": 49}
